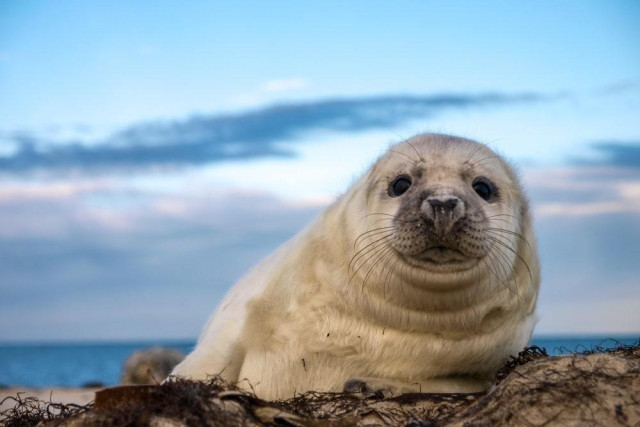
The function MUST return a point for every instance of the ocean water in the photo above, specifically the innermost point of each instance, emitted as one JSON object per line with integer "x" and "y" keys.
{"x": 78, "y": 364}
{"x": 70, "y": 365}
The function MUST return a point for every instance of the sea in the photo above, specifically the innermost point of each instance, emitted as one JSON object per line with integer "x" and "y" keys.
{"x": 100, "y": 364}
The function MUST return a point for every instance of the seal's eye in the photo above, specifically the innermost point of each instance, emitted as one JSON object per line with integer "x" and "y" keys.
{"x": 484, "y": 188}
{"x": 399, "y": 186}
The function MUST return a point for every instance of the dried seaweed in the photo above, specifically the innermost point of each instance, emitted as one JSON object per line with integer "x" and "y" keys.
{"x": 524, "y": 357}
{"x": 189, "y": 401}
{"x": 319, "y": 405}
{"x": 532, "y": 388}
{"x": 29, "y": 411}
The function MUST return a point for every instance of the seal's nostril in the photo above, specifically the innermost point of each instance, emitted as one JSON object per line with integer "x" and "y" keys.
{"x": 447, "y": 205}
{"x": 450, "y": 204}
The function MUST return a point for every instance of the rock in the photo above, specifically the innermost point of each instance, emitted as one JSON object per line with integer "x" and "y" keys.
{"x": 150, "y": 366}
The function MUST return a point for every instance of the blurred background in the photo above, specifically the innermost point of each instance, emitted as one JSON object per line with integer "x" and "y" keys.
{"x": 152, "y": 152}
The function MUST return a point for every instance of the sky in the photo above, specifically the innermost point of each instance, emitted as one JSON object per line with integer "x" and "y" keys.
{"x": 152, "y": 152}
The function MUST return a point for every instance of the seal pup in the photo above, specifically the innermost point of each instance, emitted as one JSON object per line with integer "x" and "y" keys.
{"x": 422, "y": 277}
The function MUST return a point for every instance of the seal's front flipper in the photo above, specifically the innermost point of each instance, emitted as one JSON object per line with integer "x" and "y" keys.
{"x": 369, "y": 388}
{"x": 384, "y": 387}
{"x": 360, "y": 388}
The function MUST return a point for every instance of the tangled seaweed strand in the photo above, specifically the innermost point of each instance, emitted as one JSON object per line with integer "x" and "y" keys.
{"x": 620, "y": 348}
{"x": 191, "y": 402}
{"x": 29, "y": 411}
{"x": 525, "y": 356}
{"x": 313, "y": 404}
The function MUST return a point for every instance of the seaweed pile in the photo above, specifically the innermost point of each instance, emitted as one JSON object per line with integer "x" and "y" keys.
{"x": 596, "y": 387}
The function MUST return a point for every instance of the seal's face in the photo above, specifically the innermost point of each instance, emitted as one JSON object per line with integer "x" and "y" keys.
{"x": 445, "y": 205}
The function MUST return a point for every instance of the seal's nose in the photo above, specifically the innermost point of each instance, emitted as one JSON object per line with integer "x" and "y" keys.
{"x": 446, "y": 205}
{"x": 443, "y": 210}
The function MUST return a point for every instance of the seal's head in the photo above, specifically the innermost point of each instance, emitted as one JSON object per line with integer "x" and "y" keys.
{"x": 448, "y": 210}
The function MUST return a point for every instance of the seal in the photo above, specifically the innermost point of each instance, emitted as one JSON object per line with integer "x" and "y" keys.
{"x": 422, "y": 277}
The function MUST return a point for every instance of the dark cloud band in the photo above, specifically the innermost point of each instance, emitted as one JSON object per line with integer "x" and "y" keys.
{"x": 625, "y": 154}
{"x": 259, "y": 133}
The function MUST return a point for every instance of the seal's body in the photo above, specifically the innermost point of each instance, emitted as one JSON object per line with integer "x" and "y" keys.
{"x": 423, "y": 276}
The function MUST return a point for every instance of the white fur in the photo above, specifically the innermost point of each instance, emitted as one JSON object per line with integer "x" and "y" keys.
{"x": 302, "y": 320}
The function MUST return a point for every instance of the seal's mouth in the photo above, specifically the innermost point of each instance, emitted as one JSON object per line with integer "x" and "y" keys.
{"x": 441, "y": 259}
{"x": 442, "y": 255}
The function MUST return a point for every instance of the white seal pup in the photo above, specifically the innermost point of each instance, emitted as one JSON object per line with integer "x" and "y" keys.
{"x": 423, "y": 276}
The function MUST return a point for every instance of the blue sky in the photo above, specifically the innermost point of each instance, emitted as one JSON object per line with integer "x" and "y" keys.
{"x": 151, "y": 152}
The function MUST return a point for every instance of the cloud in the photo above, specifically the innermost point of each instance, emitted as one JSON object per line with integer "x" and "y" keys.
{"x": 619, "y": 87}
{"x": 71, "y": 256}
{"x": 623, "y": 154}
{"x": 580, "y": 209}
{"x": 92, "y": 267}
{"x": 583, "y": 190}
{"x": 605, "y": 183}
{"x": 50, "y": 190}
{"x": 266, "y": 132}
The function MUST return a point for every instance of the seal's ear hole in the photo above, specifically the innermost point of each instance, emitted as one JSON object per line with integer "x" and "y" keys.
{"x": 485, "y": 188}
{"x": 399, "y": 185}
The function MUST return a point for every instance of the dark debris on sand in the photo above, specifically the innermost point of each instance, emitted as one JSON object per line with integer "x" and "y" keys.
{"x": 31, "y": 411}
{"x": 596, "y": 387}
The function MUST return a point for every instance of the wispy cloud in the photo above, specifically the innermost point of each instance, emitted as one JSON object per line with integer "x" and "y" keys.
{"x": 583, "y": 209}
{"x": 266, "y": 132}
{"x": 619, "y": 87}
{"x": 616, "y": 153}
{"x": 607, "y": 182}
{"x": 10, "y": 192}
{"x": 581, "y": 190}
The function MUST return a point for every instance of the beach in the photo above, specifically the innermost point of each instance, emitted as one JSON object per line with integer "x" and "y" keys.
{"x": 595, "y": 388}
